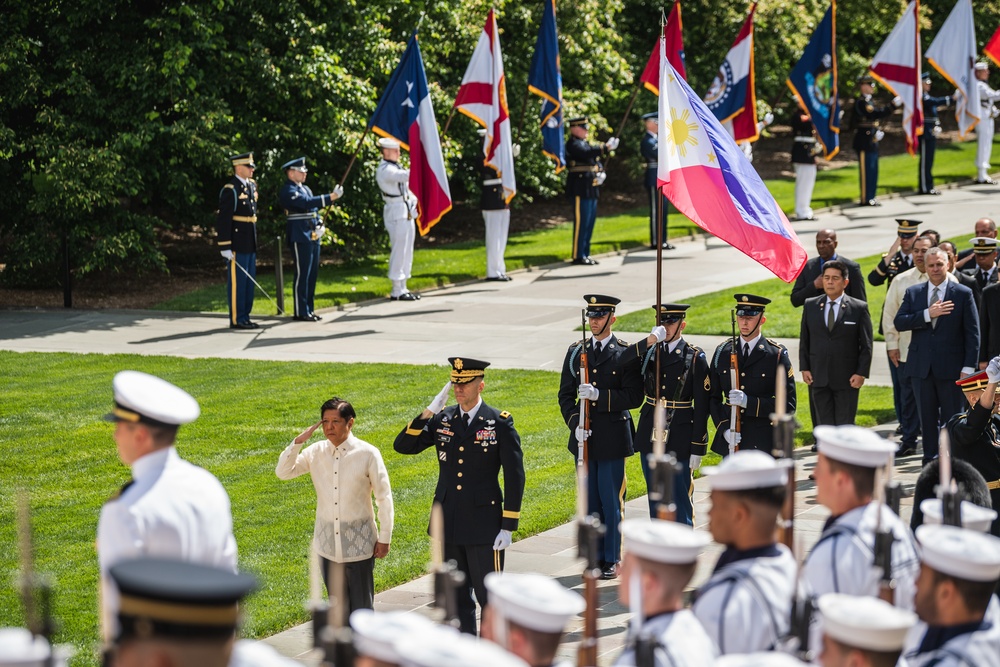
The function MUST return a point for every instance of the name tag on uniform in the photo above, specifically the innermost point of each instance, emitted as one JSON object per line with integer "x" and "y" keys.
{"x": 444, "y": 430}
{"x": 846, "y": 322}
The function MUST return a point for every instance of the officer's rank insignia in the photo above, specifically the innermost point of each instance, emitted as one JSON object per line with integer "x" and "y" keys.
{"x": 443, "y": 455}
{"x": 504, "y": 414}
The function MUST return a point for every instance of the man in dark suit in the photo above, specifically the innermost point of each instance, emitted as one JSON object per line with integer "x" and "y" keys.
{"x": 586, "y": 176}
{"x": 809, "y": 284}
{"x": 473, "y": 443}
{"x": 835, "y": 348}
{"x": 610, "y": 389}
{"x": 650, "y": 149}
{"x": 761, "y": 361}
{"x": 944, "y": 347}
{"x": 685, "y": 387}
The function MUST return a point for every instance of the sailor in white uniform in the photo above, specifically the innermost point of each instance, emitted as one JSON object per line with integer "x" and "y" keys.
{"x": 441, "y": 646}
{"x": 399, "y": 215}
{"x": 745, "y": 606}
{"x": 378, "y": 633}
{"x": 660, "y": 559}
{"x": 862, "y": 631}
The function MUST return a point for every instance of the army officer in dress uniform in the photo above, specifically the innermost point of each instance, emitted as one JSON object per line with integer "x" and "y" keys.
{"x": 612, "y": 388}
{"x": 759, "y": 360}
{"x": 473, "y": 442}
{"x": 684, "y": 391}
{"x": 649, "y": 147}
{"x": 586, "y": 175}
{"x": 305, "y": 233}
{"x": 236, "y": 226}
{"x": 866, "y": 137}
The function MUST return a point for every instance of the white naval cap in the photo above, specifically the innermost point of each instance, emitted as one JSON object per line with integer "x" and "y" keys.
{"x": 663, "y": 541}
{"x": 140, "y": 397}
{"x": 853, "y": 444}
{"x": 20, "y": 648}
{"x": 981, "y": 65}
{"x": 960, "y": 553}
{"x": 762, "y": 659}
{"x": 747, "y": 469}
{"x": 866, "y": 623}
{"x": 533, "y": 600}
{"x": 376, "y": 634}
{"x": 974, "y": 517}
{"x": 443, "y": 647}
{"x": 386, "y": 142}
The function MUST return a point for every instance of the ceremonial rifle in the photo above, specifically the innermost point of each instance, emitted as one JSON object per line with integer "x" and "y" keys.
{"x": 589, "y": 532}
{"x": 784, "y": 447}
{"x": 951, "y": 502}
{"x": 797, "y": 641}
{"x": 734, "y": 382}
{"x": 645, "y": 644}
{"x": 336, "y": 638}
{"x": 36, "y": 592}
{"x": 663, "y": 467}
{"x": 883, "y": 547}
{"x": 893, "y": 490}
{"x": 447, "y": 577}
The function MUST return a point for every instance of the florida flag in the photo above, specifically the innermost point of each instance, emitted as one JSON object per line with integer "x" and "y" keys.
{"x": 405, "y": 114}
{"x": 708, "y": 178}
{"x": 673, "y": 38}
{"x": 897, "y": 67}
{"x": 483, "y": 98}
{"x": 732, "y": 96}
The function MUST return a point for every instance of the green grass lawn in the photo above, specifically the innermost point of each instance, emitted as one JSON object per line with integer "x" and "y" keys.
{"x": 452, "y": 263}
{"x": 56, "y": 446}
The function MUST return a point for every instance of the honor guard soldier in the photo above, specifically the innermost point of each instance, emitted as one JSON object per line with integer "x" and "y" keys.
{"x": 955, "y": 598}
{"x": 586, "y": 176}
{"x": 170, "y": 508}
{"x": 758, "y": 359}
{"x": 862, "y": 631}
{"x": 236, "y": 227}
{"x": 400, "y": 215}
{"x": 804, "y": 149}
{"x": 685, "y": 390}
{"x": 528, "y": 614}
{"x": 988, "y": 98}
{"x": 867, "y": 135}
{"x": 440, "y": 646}
{"x": 928, "y": 140}
{"x": 473, "y": 442}
{"x": 612, "y": 389}
{"x": 746, "y": 604}
{"x": 305, "y": 232}
{"x": 660, "y": 560}
{"x": 496, "y": 217}
{"x": 649, "y": 147}
{"x": 843, "y": 558}
{"x": 378, "y": 634}
{"x": 975, "y": 435}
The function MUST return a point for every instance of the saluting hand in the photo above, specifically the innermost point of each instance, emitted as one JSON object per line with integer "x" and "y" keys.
{"x": 306, "y": 434}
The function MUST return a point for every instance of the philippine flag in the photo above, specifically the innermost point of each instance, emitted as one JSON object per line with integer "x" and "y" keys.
{"x": 708, "y": 178}
{"x": 732, "y": 96}
{"x": 405, "y": 114}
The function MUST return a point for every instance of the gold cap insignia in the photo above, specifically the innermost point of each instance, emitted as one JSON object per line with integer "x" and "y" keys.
{"x": 745, "y": 298}
{"x": 458, "y": 364}
{"x": 593, "y": 299}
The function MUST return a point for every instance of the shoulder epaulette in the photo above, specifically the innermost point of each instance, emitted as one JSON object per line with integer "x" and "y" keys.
{"x": 229, "y": 185}
{"x": 505, "y": 415}
{"x": 775, "y": 343}
{"x": 621, "y": 342}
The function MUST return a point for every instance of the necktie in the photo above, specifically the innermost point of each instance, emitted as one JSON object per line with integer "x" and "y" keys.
{"x": 830, "y": 319}
{"x": 982, "y": 278}
{"x": 597, "y": 347}
{"x": 746, "y": 350}
{"x": 935, "y": 295}
{"x": 465, "y": 419}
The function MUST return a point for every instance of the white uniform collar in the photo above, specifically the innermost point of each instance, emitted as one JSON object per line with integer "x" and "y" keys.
{"x": 151, "y": 464}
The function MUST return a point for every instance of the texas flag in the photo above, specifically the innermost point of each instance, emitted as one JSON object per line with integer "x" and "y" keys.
{"x": 405, "y": 114}
{"x": 673, "y": 34}
{"x": 483, "y": 98}
{"x": 708, "y": 178}
{"x": 732, "y": 95}
{"x": 896, "y": 66}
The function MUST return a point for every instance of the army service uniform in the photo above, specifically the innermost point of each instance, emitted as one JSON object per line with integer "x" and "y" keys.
{"x": 583, "y": 189}
{"x": 649, "y": 147}
{"x": 866, "y": 118}
{"x": 236, "y": 227}
{"x": 928, "y": 140}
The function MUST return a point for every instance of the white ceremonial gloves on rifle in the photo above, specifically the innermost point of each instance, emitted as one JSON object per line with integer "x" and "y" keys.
{"x": 732, "y": 438}
{"x": 338, "y": 192}
{"x": 768, "y": 118}
{"x": 879, "y": 136}
{"x": 612, "y": 143}
{"x": 227, "y": 255}
{"x": 601, "y": 177}
{"x": 581, "y": 434}
{"x": 936, "y": 131}
{"x": 588, "y": 392}
{"x": 503, "y": 540}
{"x": 659, "y": 332}
{"x": 897, "y": 101}
{"x": 993, "y": 370}
{"x": 320, "y": 231}
{"x": 515, "y": 150}
{"x": 737, "y": 397}
{"x": 437, "y": 405}
{"x": 695, "y": 462}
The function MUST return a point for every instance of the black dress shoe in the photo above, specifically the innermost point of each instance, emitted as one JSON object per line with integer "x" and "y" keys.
{"x": 406, "y": 296}
{"x": 609, "y": 572}
{"x": 873, "y": 202}
{"x": 579, "y": 260}
{"x": 934, "y": 191}
{"x": 590, "y": 261}
{"x": 669, "y": 246}
{"x": 254, "y": 325}
{"x": 306, "y": 318}
{"x": 242, "y": 325}
{"x": 985, "y": 181}
{"x": 315, "y": 317}
{"x": 899, "y": 430}
{"x": 905, "y": 450}
{"x": 498, "y": 279}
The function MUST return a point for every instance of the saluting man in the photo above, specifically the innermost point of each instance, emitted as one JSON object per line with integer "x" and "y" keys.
{"x": 649, "y": 147}
{"x": 759, "y": 360}
{"x": 867, "y": 136}
{"x": 236, "y": 227}
{"x": 473, "y": 442}
{"x": 305, "y": 232}
{"x": 400, "y": 216}
{"x": 612, "y": 390}
{"x": 685, "y": 391}
{"x": 586, "y": 176}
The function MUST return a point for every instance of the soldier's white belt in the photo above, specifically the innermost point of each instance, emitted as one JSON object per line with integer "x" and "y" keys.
{"x": 806, "y": 140}
{"x": 301, "y": 216}
{"x": 675, "y": 405}
{"x": 243, "y": 218}
{"x": 994, "y": 485}
{"x": 493, "y": 181}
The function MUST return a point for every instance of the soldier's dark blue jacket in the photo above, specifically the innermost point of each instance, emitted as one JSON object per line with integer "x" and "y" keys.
{"x": 236, "y": 222}
{"x": 302, "y": 211}
{"x": 582, "y": 159}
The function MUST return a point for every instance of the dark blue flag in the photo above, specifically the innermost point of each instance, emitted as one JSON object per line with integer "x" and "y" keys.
{"x": 545, "y": 81}
{"x": 814, "y": 81}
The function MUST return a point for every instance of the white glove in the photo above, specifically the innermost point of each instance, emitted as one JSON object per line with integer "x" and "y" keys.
{"x": 660, "y": 332}
{"x": 515, "y": 150}
{"x": 993, "y": 370}
{"x": 338, "y": 191}
{"x": 581, "y": 434}
{"x": 956, "y": 94}
{"x": 601, "y": 177}
{"x": 732, "y": 438}
{"x": 612, "y": 143}
{"x": 437, "y": 405}
{"x": 768, "y": 118}
{"x": 588, "y": 392}
{"x": 227, "y": 254}
{"x": 936, "y": 131}
{"x": 737, "y": 397}
{"x": 502, "y": 541}
{"x": 695, "y": 462}
{"x": 897, "y": 101}
{"x": 879, "y": 136}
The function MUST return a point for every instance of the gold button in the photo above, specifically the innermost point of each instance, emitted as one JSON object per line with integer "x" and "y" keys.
{"x": 742, "y": 374}
{"x": 461, "y": 449}
{"x": 460, "y": 462}
{"x": 459, "y": 474}
{"x": 459, "y": 487}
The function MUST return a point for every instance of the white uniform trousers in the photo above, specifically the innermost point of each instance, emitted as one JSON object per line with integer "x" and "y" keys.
{"x": 402, "y": 232}
{"x": 984, "y": 130}
{"x": 805, "y": 181}
{"x": 497, "y": 225}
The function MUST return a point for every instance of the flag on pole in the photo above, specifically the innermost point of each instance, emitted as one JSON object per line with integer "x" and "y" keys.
{"x": 674, "y": 35}
{"x": 483, "y": 98}
{"x": 545, "y": 81}
{"x": 953, "y": 54}
{"x": 733, "y": 96}
{"x": 708, "y": 178}
{"x": 992, "y": 48}
{"x": 896, "y": 66}
{"x": 814, "y": 82}
{"x": 405, "y": 114}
